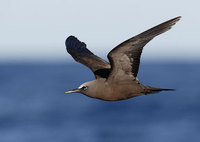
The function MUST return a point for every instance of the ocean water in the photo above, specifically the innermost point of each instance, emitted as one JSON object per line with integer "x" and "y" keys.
{"x": 33, "y": 106}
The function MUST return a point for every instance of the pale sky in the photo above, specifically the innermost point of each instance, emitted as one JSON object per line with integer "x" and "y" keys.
{"x": 37, "y": 29}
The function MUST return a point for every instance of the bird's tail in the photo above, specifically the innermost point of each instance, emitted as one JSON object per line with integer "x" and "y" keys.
{"x": 152, "y": 90}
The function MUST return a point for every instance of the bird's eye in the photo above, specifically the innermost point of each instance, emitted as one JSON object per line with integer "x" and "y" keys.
{"x": 84, "y": 88}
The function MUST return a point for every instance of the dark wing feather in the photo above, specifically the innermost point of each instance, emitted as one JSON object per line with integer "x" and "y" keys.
{"x": 125, "y": 58}
{"x": 81, "y": 54}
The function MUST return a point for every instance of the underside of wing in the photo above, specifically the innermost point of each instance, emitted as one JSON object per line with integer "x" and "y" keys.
{"x": 81, "y": 54}
{"x": 125, "y": 58}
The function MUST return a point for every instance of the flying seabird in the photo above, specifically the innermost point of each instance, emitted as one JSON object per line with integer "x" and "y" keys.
{"x": 116, "y": 80}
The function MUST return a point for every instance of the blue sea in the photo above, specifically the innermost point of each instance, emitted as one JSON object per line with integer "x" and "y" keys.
{"x": 34, "y": 108}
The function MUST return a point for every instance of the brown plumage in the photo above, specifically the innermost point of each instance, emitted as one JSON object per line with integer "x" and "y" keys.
{"x": 117, "y": 80}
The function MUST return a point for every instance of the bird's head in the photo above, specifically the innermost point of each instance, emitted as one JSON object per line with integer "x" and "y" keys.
{"x": 83, "y": 89}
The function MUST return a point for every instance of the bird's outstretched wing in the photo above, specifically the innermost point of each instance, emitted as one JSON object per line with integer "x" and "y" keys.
{"x": 81, "y": 54}
{"x": 125, "y": 58}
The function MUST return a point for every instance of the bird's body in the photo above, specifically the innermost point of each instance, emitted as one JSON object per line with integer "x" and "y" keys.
{"x": 117, "y": 80}
{"x": 117, "y": 91}
{"x": 112, "y": 91}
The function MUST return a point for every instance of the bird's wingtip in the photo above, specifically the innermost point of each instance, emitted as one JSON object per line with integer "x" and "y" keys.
{"x": 177, "y": 18}
{"x": 73, "y": 43}
{"x": 71, "y": 37}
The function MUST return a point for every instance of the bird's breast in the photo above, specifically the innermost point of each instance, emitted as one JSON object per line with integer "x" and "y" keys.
{"x": 113, "y": 92}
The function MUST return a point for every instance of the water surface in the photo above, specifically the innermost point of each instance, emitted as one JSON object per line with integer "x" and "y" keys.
{"x": 33, "y": 106}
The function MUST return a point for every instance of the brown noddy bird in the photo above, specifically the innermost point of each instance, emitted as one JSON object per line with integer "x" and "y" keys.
{"x": 116, "y": 80}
